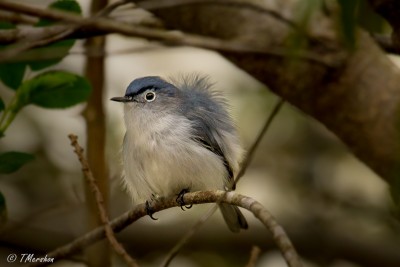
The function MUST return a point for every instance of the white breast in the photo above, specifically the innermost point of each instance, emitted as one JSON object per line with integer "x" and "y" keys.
{"x": 160, "y": 158}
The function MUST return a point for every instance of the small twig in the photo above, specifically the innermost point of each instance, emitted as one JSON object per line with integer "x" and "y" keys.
{"x": 47, "y": 38}
{"x": 175, "y": 250}
{"x": 119, "y": 249}
{"x": 260, "y": 136}
{"x": 254, "y": 254}
{"x": 178, "y": 246}
{"x": 278, "y": 233}
{"x": 16, "y": 18}
{"x": 108, "y": 9}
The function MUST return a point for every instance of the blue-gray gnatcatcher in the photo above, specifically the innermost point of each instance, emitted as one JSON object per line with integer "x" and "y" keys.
{"x": 179, "y": 138}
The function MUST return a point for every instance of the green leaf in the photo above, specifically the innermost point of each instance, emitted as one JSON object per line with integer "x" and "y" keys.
{"x": 348, "y": 21}
{"x": 60, "y": 48}
{"x": 3, "y": 209}
{"x": 11, "y": 74}
{"x": 12, "y": 161}
{"x": 55, "y": 89}
{"x": 4, "y": 25}
{"x": 63, "y": 5}
{"x": 2, "y": 106}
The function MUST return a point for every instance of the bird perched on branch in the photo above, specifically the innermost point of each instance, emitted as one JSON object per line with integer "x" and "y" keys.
{"x": 179, "y": 138}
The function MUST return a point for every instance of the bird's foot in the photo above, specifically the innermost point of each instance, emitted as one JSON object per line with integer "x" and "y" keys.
{"x": 149, "y": 209}
{"x": 180, "y": 200}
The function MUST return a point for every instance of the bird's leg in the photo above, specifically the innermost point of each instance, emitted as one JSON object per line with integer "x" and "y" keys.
{"x": 149, "y": 209}
{"x": 180, "y": 200}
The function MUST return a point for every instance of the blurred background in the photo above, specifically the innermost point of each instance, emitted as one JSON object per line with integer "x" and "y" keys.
{"x": 335, "y": 209}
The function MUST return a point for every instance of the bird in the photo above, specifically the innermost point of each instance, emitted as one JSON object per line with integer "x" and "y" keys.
{"x": 179, "y": 138}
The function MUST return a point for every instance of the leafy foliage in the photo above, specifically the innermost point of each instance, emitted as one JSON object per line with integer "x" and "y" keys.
{"x": 12, "y": 161}
{"x": 61, "y": 48}
{"x": 51, "y": 89}
{"x": 64, "y": 5}
{"x": 11, "y": 73}
{"x": 54, "y": 89}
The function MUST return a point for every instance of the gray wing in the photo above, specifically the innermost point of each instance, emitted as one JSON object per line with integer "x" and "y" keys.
{"x": 208, "y": 141}
{"x": 209, "y": 118}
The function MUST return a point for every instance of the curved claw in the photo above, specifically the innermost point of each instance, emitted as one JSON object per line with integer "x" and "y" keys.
{"x": 150, "y": 211}
{"x": 183, "y": 205}
{"x": 153, "y": 218}
{"x": 180, "y": 201}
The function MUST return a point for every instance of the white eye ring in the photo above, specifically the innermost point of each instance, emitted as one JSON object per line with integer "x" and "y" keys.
{"x": 150, "y": 96}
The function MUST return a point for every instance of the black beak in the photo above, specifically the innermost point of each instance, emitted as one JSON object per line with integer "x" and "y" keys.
{"x": 121, "y": 99}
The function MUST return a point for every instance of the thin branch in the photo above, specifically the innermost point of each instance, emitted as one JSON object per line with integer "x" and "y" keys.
{"x": 175, "y": 250}
{"x": 52, "y": 14}
{"x": 111, "y": 7}
{"x": 119, "y": 249}
{"x": 16, "y": 18}
{"x": 162, "y": 4}
{"x": 106, "y": 25}
{"x": 278, "y": 233}
{"x": 254, "y": 254}
{"x": 256, "y": 6}
{"x": 260, "y": 136}
{"x": 55, "y": 52}
{"x": 41, "y": 40}
{"x": 178, "y": 246}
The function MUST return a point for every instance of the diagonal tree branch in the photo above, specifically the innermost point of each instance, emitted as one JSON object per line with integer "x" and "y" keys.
{"x": 97, "y": 25}
{"x": 253, "y": 5}
{"x": 278, "y": 233}
{"x": 44, "y": 37}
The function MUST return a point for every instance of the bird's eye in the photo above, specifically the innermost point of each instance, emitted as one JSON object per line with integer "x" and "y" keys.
{"x": 150, "y": 96}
